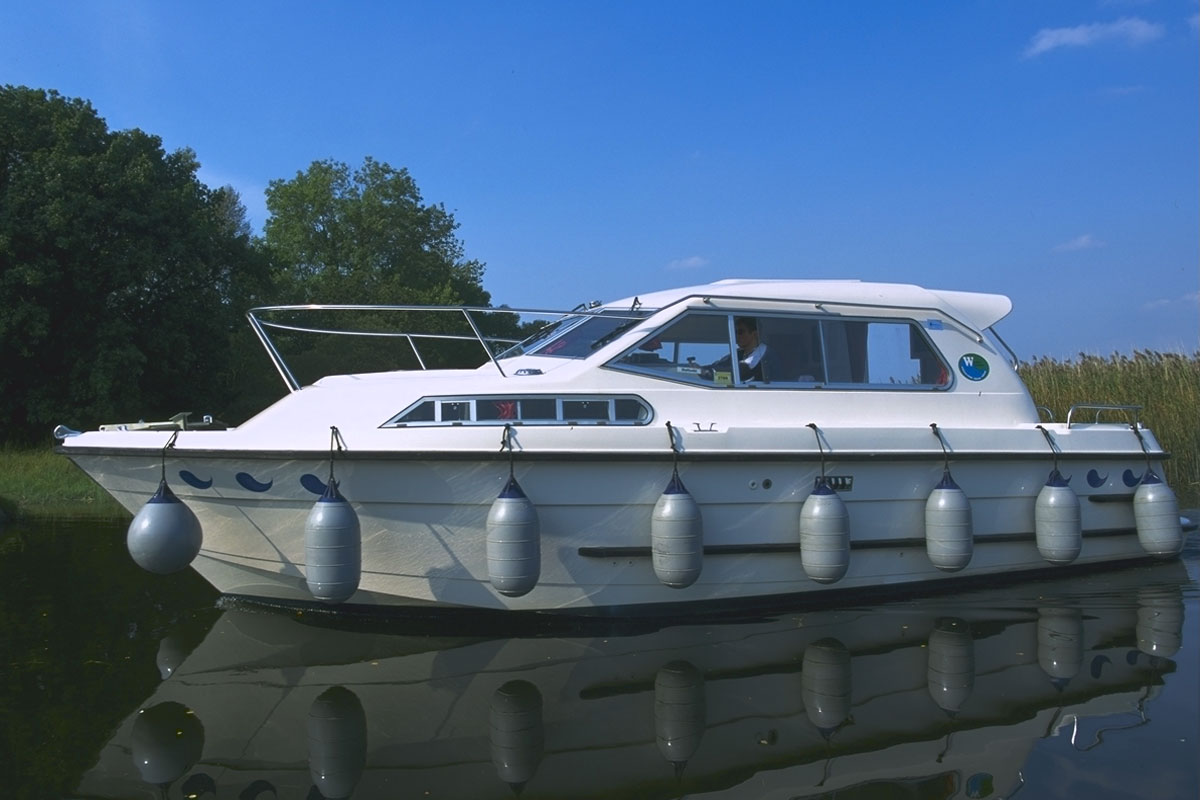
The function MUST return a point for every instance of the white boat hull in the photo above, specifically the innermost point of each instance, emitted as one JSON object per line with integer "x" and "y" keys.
{"x": 424, "y": 533}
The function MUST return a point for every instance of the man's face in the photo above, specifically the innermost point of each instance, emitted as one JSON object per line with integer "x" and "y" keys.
{"x": 747, "y": 337}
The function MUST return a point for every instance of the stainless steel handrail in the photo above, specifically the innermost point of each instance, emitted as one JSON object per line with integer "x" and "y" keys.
{"x": 1012, "y": 357}
{"x": 280, "y": 365}
{"x": 825, "y": 304}
{"x": 260, "y": 327}
{"x": 1100, "y": 408}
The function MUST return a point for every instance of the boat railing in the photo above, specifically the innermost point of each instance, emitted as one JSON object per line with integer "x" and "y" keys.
{"x": 1012, "y": 356}
{"x": 261, "y": 323}
{"x": 1100, "y": 408}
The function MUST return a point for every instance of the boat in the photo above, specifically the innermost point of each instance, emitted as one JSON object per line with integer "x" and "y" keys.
{"x": 977, "y": 694}
{"x": 729, "y": 443}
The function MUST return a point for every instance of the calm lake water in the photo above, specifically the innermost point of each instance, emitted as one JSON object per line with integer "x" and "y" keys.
{"x": 119, "y": 684}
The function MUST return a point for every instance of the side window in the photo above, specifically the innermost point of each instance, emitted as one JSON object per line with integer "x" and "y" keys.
{"x": 881, "y": 353}
{"x": 422, "y": 412}
{"x": 695, "y": 348}
{"x": 769, "y": 350}
{"x": 790, "y": 352}
{"x": 544, "y": 410}
{"x": 539, "y": 409}
{"x": 793, "y": 352}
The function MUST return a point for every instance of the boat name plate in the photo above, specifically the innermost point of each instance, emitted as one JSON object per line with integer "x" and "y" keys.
{"x": 840, "y": 483}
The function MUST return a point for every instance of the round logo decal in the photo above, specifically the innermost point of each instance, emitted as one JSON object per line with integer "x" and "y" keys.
{"x": 973, "y": 367}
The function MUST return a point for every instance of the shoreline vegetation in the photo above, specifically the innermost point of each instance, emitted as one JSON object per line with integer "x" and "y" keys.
{"x": 1165, "y": 385}
{"x": 37, "y": 483}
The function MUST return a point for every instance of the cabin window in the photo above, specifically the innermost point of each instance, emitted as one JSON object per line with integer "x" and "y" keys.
{"x": 590, "y": 410}
{"x": 455, "y": 412}
{"x": 422, "y": 412}
{"x": 881, "y": 353}
{"x": 627, "y": 410}
{"x": 796, "y": 352}
{"x": 540, "y": 408}
{"x": 502, "y": 408}
{"x": 516, "y": 410}
{"x": 694, "y": 349}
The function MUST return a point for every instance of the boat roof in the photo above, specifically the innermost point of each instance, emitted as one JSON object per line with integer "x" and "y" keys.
{"x": 978, "y": 309}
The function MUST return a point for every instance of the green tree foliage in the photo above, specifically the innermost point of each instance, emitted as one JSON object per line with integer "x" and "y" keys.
{"x": 121, "y": 275}
{"x": 366, "y": 237}
{"x": 123, "y": 279}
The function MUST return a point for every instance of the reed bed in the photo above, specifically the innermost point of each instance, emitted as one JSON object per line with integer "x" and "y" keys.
{"x": 1165, "y": 385}
{"x": 38, "y": 482}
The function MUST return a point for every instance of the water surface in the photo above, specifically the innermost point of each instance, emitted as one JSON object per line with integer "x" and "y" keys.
{"x": 119, "y": 684}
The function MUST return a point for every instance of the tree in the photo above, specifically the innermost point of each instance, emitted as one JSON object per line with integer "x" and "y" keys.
{"x": 121, "y": 275}
{"x": 366, "y": 237}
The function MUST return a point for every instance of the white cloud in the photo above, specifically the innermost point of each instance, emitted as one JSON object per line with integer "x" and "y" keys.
{"x": 1084, "y": 242}
{"x": 1128, "y": 30}
{"x": 1191, "y": 298}
{"x": 691, "y": 262}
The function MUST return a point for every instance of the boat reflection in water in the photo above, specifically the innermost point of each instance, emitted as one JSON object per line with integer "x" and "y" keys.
{"x": 935, "y": 698}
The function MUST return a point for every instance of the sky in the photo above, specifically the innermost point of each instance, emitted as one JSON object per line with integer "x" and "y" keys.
{"x": 597, "y": 150}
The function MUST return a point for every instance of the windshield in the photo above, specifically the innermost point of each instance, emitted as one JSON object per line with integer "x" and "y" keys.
{"x": 577, "y": 337}
{"x": 541, "y": 335}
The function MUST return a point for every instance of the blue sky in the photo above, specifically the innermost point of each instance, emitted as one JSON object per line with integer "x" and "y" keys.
{"x": 1047, "y": 151}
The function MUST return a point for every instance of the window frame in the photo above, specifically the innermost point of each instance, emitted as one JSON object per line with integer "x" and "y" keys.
{"x": 560, "y": 404}
{"x": 921, "y": 327}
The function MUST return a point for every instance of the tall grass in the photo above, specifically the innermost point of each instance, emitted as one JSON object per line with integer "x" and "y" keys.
{"x": 38, "y": 482}
{"x": 1166, "y": 385}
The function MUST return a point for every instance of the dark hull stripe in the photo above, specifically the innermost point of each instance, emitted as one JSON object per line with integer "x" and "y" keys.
{"x": 794, "y": 547}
